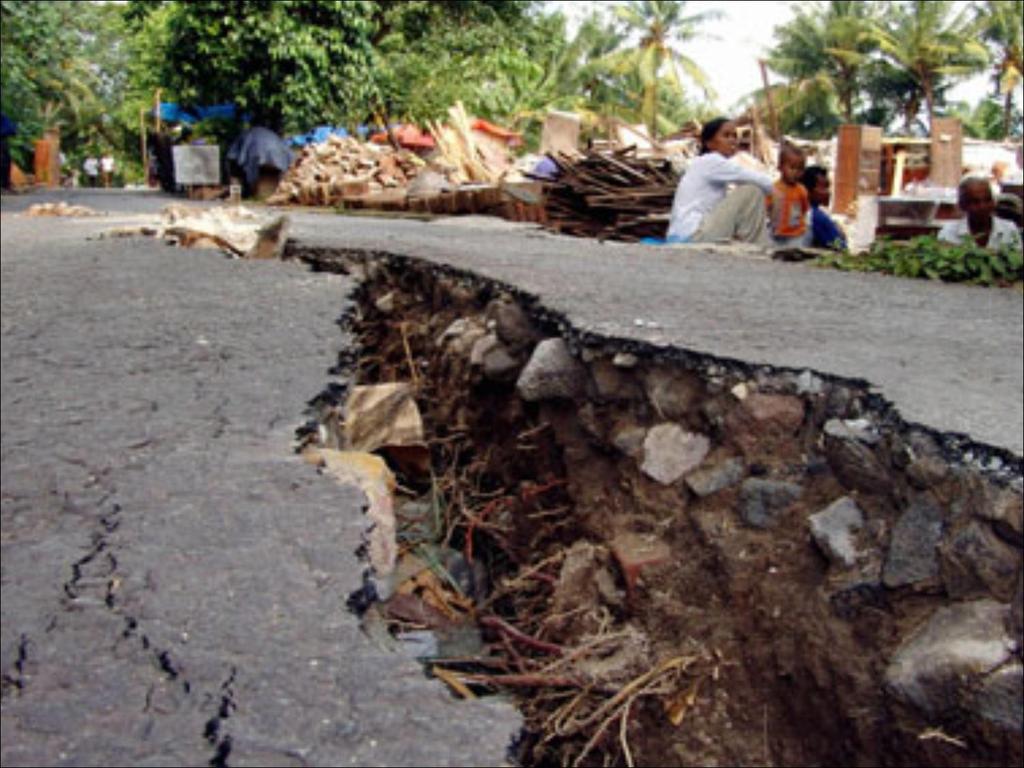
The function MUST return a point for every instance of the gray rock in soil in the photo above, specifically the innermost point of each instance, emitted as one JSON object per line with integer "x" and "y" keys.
{"x": 856, "y": 466}
{"x": 512, "y": 324}
{"x": 808, "y": 383}
{"x": 958, "y": 645}
{"x": 761, "y": 501}
{"x": 912, "y": 555}
{"x": 673, "y": 393}
{"x": 1000, "y": 700}
{"x": 551, "y": 373}
{"x": 670, "y": 452}
{"x": 1006, "y": 513}
{"x": 629, "y": 439}
{"x": 708, "y": 480}
{"x": 927, "y": 471}
{"x": 833, "y": 530}
{"x": 975, "y": 561}
{"x": 491, "y": 355}
{"x": 611, "y": 382}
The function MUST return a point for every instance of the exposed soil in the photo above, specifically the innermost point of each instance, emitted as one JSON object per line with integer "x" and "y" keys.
{"x": 637, "y": 621}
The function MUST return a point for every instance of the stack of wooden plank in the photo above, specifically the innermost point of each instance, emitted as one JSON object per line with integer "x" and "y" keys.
{"x": 343, "y": 168}
{"x": 610, "y": 196}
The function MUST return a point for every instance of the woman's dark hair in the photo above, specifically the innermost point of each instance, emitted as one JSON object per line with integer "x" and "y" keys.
{"x": 707, "y": 133}
{"x": 811, "y": 175}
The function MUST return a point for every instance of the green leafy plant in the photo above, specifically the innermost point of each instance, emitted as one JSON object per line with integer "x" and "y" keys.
{"x": 926, "y": 257}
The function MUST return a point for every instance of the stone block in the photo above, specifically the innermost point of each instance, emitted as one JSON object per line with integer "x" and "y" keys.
{"x": 511, "y": 323}
{"x": 834, "y": 528}
{"x": 912, "y": 555}
{"x": 856, "y": 466}
{"x": 975, "y": 561}
{"x": 1006, "y": 513}
{"x": 765, "y": 422}
{"x": 761, "y": 501}
{"x": 705, "y": 481}
{"x": 670, "y": 452}
{"x": 612, "y": 382}
{"x": 552, "y": 373}
{"x": 957, "y": 646}
{"x": 673, "y": 394}
{"x": 1000, "y": 699}
{"x": 490, "y": 354}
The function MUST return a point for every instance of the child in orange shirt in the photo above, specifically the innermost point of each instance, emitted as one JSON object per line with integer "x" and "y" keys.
{"x": 789, "y": 203}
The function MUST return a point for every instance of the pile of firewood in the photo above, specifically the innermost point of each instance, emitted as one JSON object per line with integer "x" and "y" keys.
{"x": 610, "y": 196}
{"x": 326, "y": 173}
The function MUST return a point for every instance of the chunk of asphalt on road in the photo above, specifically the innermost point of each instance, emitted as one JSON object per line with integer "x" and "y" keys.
{"x": 665, "y": 557}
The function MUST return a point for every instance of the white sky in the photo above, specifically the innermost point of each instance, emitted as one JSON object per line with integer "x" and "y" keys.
{"x": 731, "y": 46}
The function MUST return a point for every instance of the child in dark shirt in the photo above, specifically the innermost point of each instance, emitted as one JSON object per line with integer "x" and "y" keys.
{"x": 824, "y": 231}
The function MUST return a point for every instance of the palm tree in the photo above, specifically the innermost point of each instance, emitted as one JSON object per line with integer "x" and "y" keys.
{"x": 1002, "y": 23}
{"x": 661, "y": 25}
{"x": 931, "y": 43}
{"x": 823, "y": 50}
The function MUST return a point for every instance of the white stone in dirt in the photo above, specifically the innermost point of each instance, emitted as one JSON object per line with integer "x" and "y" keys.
{"x": 624, "y": 360}
{"x": 670, "y": 452}
{"x": 808, "y": 384}
{"x": 948, "y": 656}
{"x": 552, "y": 372}
{"x": 741, "y": 391}
{"x": 386, "y": 303}
{"x": 861, "y": 430}
{"x": 833, "y": 530}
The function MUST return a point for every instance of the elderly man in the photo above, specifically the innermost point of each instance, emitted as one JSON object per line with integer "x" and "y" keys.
{"x": 980, "y": 222}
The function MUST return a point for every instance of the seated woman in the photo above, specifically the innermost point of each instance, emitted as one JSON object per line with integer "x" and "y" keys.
{"x": 824, "y": 232}
{"x": 703, "y": 209}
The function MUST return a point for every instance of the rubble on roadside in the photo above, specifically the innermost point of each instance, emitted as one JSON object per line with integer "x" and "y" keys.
{"x": 61, "y": 209}
{"x": 235, "y": 230}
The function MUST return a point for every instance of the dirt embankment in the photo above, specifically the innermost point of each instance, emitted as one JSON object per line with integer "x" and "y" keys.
{"x": 668, "y": 559}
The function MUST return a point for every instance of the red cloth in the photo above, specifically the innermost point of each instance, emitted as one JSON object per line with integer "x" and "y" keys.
{"x": 512, "y": 138}
{"x": 789, "y": 205}
{"x": 408, "y": 136}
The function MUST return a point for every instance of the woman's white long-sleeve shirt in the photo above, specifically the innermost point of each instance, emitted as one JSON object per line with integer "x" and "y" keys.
{"x": 702, "y": 188}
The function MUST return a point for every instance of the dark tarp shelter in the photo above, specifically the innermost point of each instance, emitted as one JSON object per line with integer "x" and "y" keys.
{"x": 255, "y": 148}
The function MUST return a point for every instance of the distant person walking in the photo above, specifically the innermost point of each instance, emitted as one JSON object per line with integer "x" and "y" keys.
{"x": 107, "y": 168}
{"x": 8, "y": 128}
{"x": 91, "y": 166}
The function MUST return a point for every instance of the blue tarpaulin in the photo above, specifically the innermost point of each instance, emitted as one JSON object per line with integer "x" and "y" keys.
{"x": 175, "y": 113}
{"x": 259, "y": 146}
{"x": 318, "y": 135}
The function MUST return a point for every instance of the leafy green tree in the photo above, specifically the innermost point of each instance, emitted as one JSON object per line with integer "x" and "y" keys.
{"x": 984, "y": 120}
{"x": 289, "y": 64}
{"x": 61, "y": 65}
{"x": 1002, "y": 24}
{"x": 662, "y": 27}
{"x": 822, "y": 52}
{"x": 933, "y": 43}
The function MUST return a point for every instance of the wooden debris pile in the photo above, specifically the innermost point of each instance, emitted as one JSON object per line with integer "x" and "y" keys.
{"x": 610, "y": 196}
{"x": 344, "y": 167}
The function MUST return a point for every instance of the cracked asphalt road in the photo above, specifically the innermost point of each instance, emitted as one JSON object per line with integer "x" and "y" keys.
{"x": 174, "y": 578}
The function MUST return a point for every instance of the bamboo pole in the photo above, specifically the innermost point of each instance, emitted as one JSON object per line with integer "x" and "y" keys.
{"x": 771, "y": 103}
{"x": 142, "y": 144}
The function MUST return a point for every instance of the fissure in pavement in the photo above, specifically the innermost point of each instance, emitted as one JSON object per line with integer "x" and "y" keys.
{"x": 668, "y": 558}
